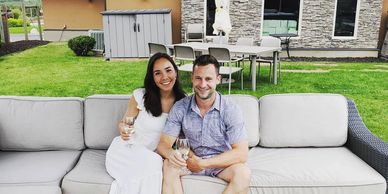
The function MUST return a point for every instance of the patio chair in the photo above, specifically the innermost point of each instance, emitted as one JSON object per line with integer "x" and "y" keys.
{"x": 243, "y": 41}
{"x": 157, "y": 48}
{"x": 194, "y": 33}
{"x": 223, "y": 56}
{"x": 220, "y": 40}
{"x": 184, "y": 53}
{"x": 269, "y": 41}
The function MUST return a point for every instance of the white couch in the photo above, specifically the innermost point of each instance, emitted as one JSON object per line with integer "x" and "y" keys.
{"x": 300, "y": 143}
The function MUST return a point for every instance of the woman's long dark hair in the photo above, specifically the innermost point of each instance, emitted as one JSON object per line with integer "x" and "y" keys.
{"x": 152, "y": 101}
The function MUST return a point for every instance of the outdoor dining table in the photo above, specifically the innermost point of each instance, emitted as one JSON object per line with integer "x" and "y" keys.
{"x": 252, "y": 51}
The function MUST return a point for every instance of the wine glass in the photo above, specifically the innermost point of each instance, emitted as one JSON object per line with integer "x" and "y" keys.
{"x": 183, "y": 146}
{"x": 128, "y": 127}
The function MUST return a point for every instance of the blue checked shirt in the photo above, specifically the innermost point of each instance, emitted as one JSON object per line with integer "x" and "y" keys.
{"x": 213, "y": 134}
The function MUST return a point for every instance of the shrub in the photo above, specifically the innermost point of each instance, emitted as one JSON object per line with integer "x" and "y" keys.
{"x": 81, "y": 45}
{"x": 17, "y": 22}
{"x": 16, "y": 13}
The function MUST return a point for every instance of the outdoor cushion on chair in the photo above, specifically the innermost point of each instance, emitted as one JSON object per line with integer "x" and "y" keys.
{"x": 102, "y": 115}
{"x": 299, "y": 170}
{"x": 89, "y": 176}
{"x": 303, "y": 120}
{"x": 41, "y": 123}
{"x": 311, "y": 170}
{"x": 35, "y": 172}
{"x": 250, "y": 110}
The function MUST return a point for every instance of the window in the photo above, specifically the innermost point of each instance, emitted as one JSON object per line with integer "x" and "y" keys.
{"x": 345, "y": 19}
{"x": 210, "y": 15}
{"x": 281, "y": 16}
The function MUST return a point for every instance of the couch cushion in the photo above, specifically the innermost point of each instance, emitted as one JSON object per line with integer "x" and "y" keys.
{"x": 102, "y": 115}
{"x": 312, "y": 170}
{"x": 302, "y": 120}
{"x": 250, "y": 109}
{"x": 35, "y": 172}
{"x": 193, "y": 184}
{"x": 89, "y": 175}
{"x": 41, "y": 123}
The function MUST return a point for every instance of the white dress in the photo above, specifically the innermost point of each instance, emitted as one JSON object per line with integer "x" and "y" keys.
{"x": 136, "y": 168}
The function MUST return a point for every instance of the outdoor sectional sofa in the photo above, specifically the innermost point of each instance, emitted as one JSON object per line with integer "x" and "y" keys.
{"x": 300, "y": 143}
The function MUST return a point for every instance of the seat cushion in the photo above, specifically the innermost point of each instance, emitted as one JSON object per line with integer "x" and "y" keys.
{"x": 250, "y": 108}
{"x": 35, "y": 172}
{"x": 193, "y": 184}
{"x": 102, "y": 115}
{"x": 312, "y": 170}
{"x": 89, "y": 175}
{"x": 299, "y": 170}
{"x": 303, "y": 120}
{"x": 41, "y": 123}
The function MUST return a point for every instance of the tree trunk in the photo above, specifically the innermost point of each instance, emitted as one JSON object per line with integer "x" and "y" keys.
{"x": 4, "y": 20}
{"x": 24, "y": 20}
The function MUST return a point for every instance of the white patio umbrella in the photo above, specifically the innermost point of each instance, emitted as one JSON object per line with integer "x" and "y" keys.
{"x": 222, "y": 18}
{"x": 222, "y": 24}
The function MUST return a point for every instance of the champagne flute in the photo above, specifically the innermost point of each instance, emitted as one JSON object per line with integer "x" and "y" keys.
{"x": 183, "y": 146}
{"x": 128, "y": 127}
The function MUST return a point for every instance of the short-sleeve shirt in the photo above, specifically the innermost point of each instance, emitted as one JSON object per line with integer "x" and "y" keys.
{"x": 212, "y": 134}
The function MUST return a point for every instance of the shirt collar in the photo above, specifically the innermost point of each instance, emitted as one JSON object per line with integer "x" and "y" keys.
{"x": 216, "y": 104}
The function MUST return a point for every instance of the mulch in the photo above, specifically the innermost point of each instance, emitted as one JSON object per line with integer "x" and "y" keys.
{"x": 18, "y": 46}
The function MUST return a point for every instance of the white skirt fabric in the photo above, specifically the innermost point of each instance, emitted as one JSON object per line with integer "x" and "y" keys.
{"x": 136, "y": 169}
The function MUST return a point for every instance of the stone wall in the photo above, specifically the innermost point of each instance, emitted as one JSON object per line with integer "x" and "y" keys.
{"x": 192, "y": 13}
{"x": 316, "y": 24}
{"x": 318, "y": 20}
{"x": 245, "y": 16}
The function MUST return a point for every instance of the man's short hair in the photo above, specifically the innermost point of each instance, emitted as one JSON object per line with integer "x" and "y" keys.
{"x": 204, "y": 60}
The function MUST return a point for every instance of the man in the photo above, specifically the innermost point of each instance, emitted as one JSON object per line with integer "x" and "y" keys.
{"x": 215, "y": 129}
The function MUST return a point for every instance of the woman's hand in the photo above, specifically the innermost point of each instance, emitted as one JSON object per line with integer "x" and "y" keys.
{"x": 124, "y": 135}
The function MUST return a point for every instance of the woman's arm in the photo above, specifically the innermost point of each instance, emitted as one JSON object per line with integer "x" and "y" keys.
{"x": 132, "y": 111}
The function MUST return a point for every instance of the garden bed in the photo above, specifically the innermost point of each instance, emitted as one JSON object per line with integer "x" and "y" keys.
{"x": 18, "y": 46}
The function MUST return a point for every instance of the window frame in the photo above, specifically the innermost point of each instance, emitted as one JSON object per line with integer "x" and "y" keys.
{"x": 299, "y": 19}
{"x": 205, "y": 20}
{"x": 356, "y": 21}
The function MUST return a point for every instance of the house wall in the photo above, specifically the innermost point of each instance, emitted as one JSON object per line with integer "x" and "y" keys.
{"x": 316, "y": 24}
{"x": 174, "y": 5}
{"x": 75, "y": 14}
{"x": 242, "y": 13}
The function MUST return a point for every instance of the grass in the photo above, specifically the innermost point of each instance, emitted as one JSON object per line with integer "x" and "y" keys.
{"x": 53, "y": 70}
{"x": 20, "y": 30}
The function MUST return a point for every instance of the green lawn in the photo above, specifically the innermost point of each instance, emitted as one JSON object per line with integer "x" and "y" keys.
{"x": 20, "y": 30}
{"x": 53, "y": 70}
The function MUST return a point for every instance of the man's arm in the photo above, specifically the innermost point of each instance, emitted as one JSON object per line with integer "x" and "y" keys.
{"x": 238, "y": 154}
{"x": 165, "y": 145}
{"x": 165, "y": 150}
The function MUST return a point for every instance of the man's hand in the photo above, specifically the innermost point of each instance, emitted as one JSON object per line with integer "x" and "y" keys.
{"x": 194, "y": 163}
{"x": 175, "y": 158}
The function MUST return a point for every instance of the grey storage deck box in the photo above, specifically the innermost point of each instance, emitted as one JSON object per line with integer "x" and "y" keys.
{"x": 128, "y": 32}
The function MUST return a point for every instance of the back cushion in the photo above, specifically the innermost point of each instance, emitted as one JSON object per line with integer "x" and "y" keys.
{"x": 41, "y": 123}
{"x": 250, "y": 109}
{"x": 303, "y": 120}
{"x": 102, "y": 115}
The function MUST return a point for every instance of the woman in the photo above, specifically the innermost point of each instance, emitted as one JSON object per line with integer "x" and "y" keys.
{"x": 136, "y": 168}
